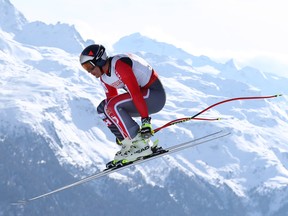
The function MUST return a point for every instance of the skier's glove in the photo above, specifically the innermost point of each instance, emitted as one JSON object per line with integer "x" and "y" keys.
{"x": 146, "y": 128}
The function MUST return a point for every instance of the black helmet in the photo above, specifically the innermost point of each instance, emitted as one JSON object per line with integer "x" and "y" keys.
{"x": 94, "y": 54}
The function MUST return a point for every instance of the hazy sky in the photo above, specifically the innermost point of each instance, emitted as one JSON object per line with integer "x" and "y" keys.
{"x": 253, "y": 32}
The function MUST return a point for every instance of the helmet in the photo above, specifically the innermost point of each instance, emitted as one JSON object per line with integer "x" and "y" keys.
{"x": 94, "y": 54}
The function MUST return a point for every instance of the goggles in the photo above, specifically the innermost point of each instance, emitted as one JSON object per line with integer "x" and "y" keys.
{"x": 88, "y": 66}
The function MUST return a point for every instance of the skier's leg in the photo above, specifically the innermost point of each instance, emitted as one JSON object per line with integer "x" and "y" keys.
{"x": 120, "y": 110}
{"x": 113, "y": 128}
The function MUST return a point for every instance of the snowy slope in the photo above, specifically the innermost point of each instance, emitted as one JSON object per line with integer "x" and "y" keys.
{"x": 50, "y": 133}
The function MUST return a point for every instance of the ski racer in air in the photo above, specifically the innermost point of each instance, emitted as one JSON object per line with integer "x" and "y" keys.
{"x": 144, "y": 95}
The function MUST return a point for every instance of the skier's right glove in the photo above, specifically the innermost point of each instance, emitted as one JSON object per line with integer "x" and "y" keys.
{"x": 146, "y": 128}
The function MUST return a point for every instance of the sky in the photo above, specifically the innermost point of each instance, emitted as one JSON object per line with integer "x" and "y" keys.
{"x": 252, "y": 32}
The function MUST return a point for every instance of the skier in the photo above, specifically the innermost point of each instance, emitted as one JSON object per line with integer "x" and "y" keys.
{"x": 144, "y": 95}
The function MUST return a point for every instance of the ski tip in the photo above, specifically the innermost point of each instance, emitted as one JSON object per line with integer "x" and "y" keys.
{"x": 278, "y": 95}
{"x": 19, "y": 203}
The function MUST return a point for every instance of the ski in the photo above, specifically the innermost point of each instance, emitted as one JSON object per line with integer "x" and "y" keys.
{"x": 161, "y": 153}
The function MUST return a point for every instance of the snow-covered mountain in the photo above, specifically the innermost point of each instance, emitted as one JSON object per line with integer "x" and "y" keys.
{"x": 50, "y": 134}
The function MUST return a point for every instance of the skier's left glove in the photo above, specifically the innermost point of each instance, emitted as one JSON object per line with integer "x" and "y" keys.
{"x": 146, "y": 128}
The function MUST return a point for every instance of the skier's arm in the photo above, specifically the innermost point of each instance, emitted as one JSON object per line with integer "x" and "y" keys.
{"x": 124, "y": 68}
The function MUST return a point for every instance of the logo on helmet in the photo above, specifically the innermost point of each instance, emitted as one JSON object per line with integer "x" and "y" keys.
{"x": 99, "y": 54}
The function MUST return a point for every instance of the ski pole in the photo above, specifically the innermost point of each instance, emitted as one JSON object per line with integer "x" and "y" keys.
{"x": 181, "y": 120}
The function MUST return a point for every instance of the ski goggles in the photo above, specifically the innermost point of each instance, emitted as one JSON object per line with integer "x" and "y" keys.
{"x": 89, "y": 66}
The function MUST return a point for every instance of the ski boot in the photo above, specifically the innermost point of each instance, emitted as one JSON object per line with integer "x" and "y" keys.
{"x": 120, "y": 155}
{"x": 140, "y": 148}
{"x": 133, "y": 150}
{"x": 125, "y": 146}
